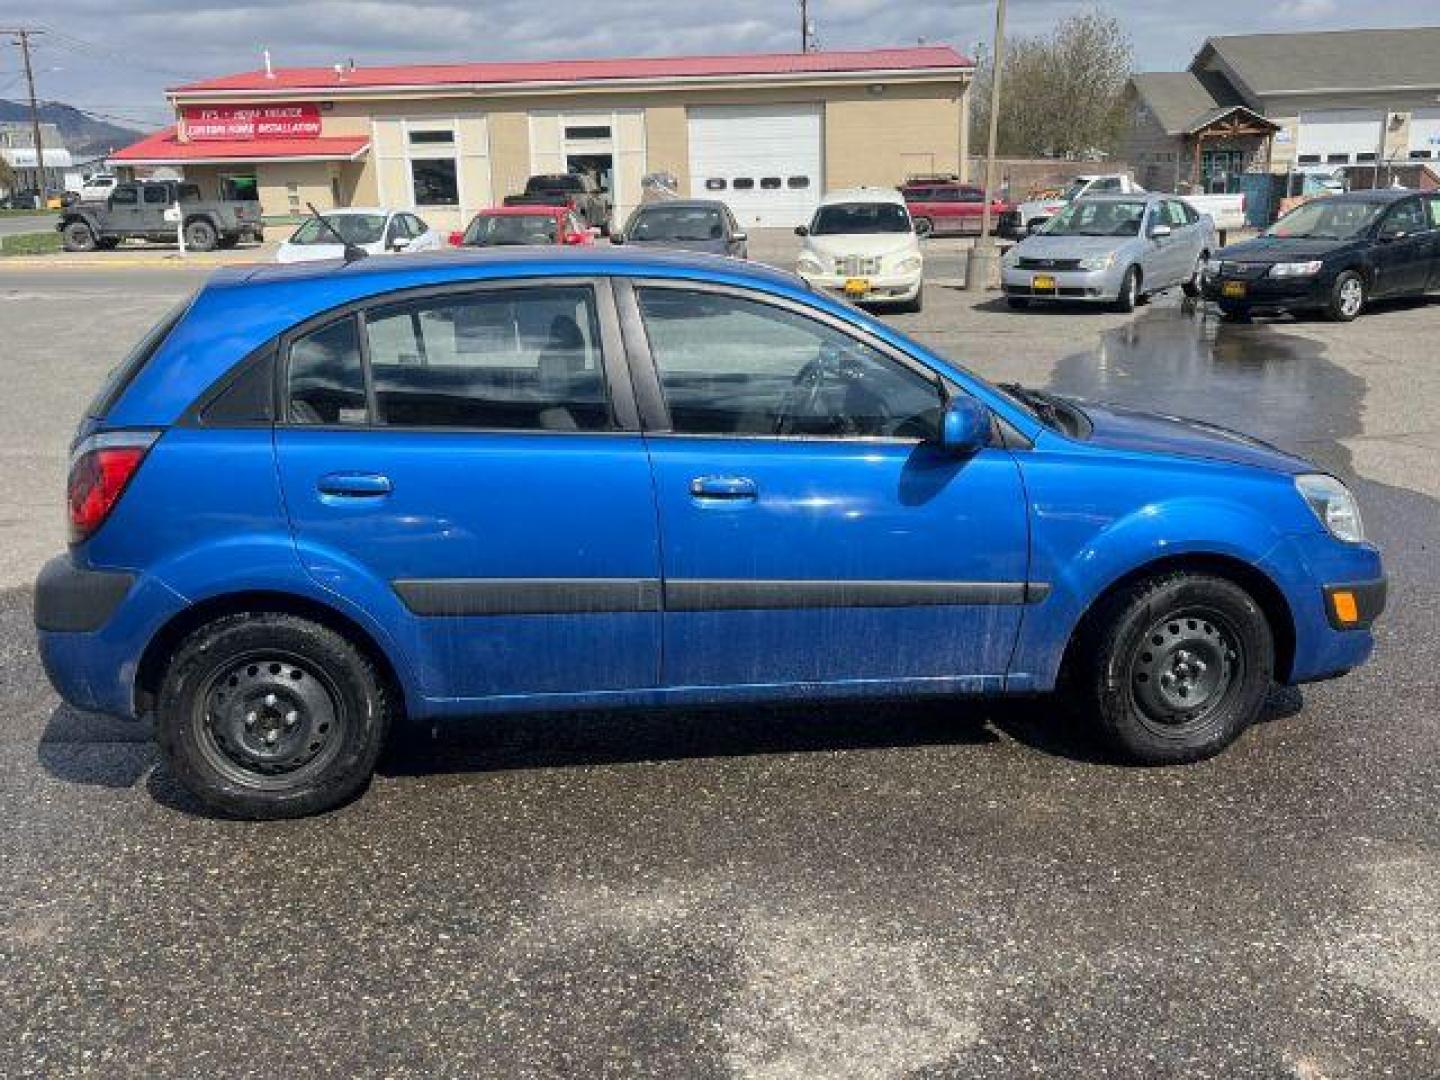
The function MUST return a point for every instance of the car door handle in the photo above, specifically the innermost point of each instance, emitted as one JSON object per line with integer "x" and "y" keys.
{"x": 355, "y": 485}
{"x": 729, "y": 488}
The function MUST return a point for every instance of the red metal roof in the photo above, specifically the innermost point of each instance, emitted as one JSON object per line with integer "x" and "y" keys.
{"x": 918, "y": 58}
{"x": 164, "y": 148}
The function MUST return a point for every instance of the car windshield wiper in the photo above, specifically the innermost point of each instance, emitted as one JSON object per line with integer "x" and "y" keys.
{"x": 1038, "y": 402}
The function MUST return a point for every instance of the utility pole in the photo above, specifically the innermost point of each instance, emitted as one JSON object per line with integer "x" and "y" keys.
{"x": 22, "y": 38}
{"x": 804, "y": 26}
{"x": 983, "y": 258}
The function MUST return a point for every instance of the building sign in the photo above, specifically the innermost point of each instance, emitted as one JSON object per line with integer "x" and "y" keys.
{"x": 208, "y": 123}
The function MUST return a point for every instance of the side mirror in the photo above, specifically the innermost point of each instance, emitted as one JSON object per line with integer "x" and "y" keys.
{"x": 1159, "y": 232}
{"x": 399, "y": 243}
{"x": 801, "y": 230}
{"x": 739, "y": 237}
{"x": 965, "y": 427}
{"x": 1391, "y": 237}
{"x": 575, "y": 238}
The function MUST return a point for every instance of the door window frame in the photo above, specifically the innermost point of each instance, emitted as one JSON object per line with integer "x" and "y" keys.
{"x": 615, "y": 370}
{"x": 645, "y": 374}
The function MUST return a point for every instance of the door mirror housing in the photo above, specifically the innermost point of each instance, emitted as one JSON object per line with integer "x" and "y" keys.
{"x": 1158, "y": 232}
{"x": 965, "y": 426}
{"x": 399, "y": 243}
{"x": 801, "y": 230}
{"x": 739, "y": 237}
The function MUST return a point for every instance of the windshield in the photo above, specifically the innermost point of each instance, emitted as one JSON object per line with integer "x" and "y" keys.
{"x": 860, "y": 217}
{"x": 556, "y": 183}
{"x": 1096, "y": 217}
{"x": 677, "y": 223}
{"x": 1328, "y": 219}
{"x": 354, "y": 228}
{"x": 503, "y": 230}
{"x": 1072, "y": 192}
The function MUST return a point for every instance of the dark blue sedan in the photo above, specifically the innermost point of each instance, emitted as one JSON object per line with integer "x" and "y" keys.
{"x": 317, "y": 498}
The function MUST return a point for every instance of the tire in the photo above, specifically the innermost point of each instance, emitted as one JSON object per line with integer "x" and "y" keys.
{"x": 1148, "y": 648}
{"x": 200, "y": 235}
{"x": 1019, "y": 303}
{"x": 78, "y": 236}
{"x": 107, "y": 243}
{"x": 1347, "y": 297}
{"x": 915, "y": 304}
{"x": 267, "y": 716}
{"x": 1129, "y": 292}
{"x": 924, "y": 227}
{"x": 1191, "y": 288}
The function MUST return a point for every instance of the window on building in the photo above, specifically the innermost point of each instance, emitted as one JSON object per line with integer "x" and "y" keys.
{"x": 517, "y": 359}
{"x": 715, "y": 183}
{"x": 743, "y": 183}
{"x": 432, "y": 138}
{"x": 587, "y": 131}
{"x": 436, "y": 182}
{"x": 798, "y": 183}
{"x": 1309, "y": 159}
{"x": 1337, "y": 159}
{"x": 770, "y": 183}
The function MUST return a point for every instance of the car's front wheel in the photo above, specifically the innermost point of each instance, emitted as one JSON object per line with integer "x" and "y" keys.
{"x": 200, "y": 235}
{"x": 265, "y": 715}
{"x": 78, "y": 236}
{"x": 1172, "y": 669}
{"x": 1347, "y": 297}
{"x": 924, "y": 226}
{"x": 1129, "y": 295}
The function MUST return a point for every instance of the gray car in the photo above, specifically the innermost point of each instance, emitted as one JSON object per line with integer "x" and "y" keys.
{"x": 685, "y": 224}
{"x": 1112, "y": 249}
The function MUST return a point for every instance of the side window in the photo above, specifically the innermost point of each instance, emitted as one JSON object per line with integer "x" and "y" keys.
{"x": 415, "y": 225}
{"x": 397, "y": 229}
{"x": 155, "y": 194}
{"x": 1404, "y": 218}
{"x": 326, "y": 380}
{"x": 972, "y": 195}
{"x": 521, "y": 359}
{"x": 1175, "y": 214}
{"x": 1105, "y": 183}
{"x": 1434, "y": 203}
{"x": 125, "y": 195}
{"x": 734, "y": 366}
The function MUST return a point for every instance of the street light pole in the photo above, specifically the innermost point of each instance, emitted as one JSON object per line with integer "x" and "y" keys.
{"x": 981, "y": 265}
{"x": 22, "y": 38}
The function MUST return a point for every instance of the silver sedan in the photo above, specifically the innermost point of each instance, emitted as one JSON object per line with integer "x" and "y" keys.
{"x": 1112, "y": 249}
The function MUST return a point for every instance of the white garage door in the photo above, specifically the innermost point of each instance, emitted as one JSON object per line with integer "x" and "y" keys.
{"x": 1338, "y": 136}
{"x": 765, "y": 161}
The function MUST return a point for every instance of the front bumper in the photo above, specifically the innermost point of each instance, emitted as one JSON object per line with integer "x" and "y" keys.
{"x": 884, "y": 288}
{"x": 1099, "y": 286}
{"x": 1283, "y": 294}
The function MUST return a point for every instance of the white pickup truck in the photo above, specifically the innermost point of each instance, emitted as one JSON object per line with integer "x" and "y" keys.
{"x": 1227, "y": 212}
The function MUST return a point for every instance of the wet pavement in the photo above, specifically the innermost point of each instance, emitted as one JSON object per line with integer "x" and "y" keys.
{"x": 938, "y": 890}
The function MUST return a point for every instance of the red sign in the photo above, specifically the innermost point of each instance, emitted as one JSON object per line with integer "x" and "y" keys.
{"x": 209, "y": 123}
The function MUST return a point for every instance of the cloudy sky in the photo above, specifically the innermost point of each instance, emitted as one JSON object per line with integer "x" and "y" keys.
{"x": 117, "y": 56}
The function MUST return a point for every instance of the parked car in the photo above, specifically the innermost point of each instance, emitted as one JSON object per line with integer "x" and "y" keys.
{"x": 97, "y": 187}
{"x": 516, "y": 481}
{"x": 861, "y": 243}
{"x": 1112, "y": 249}
{"x": 950, "y": 206}
{"x": 510, "y": 226}
{"x": 1334, "y": 254}
{"x": 578, "y": 191}
{"x": 1226, "y": 212}
{"x": 138, "y": 211}
{"x": 27, "y": 199}
{"x": 373, "y": 231}
{"x": 687, "y": 225}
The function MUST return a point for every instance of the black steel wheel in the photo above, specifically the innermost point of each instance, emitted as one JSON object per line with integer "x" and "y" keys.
{"x": 924, "y": 227}
{"x": 1174, "y": 668}
{"x": 265, "y": 715}
{"x": 78, "y": 236}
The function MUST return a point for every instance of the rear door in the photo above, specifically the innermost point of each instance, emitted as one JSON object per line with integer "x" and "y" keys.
{"x": 123, "y": 213}
{"x": 154, "y": 201}
{"x": 811, "y": 531}
{"x": 474, "y": 452}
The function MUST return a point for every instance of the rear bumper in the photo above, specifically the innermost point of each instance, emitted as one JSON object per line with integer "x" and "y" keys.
{"x": 92, "y": 627}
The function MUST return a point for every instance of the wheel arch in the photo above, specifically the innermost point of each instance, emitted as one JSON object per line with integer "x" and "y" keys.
{"x": 151, "y": 667}
{"x": 1259, "y": 585}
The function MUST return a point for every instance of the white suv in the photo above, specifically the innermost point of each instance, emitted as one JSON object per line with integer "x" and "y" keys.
{"x": 861, "y": 243}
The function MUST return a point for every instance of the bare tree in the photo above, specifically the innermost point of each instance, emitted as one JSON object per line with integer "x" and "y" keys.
{"x": 1063, "y": 91}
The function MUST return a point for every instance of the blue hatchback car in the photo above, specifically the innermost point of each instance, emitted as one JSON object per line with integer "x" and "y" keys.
{"x": 316, "y": 499}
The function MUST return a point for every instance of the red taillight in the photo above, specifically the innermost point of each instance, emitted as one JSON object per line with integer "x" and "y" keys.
{"x": 102, "y": 467}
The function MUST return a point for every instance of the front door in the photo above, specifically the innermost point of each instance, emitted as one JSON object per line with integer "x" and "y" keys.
{"x": 155, "y": 200}
{"x": 811, "y": 530}
{"x": 124, "y": 213}
{"x": 1405, "y": 251}
{"x": 469, "y": 457}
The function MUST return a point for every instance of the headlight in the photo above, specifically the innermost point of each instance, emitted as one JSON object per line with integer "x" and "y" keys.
{"x": 1333, "y": 505}
{"x": 909, "y": 263}
{"x": 1097, "y": 262}
{"x": 1295, "y": 269}
{"x": 809, "y": 264}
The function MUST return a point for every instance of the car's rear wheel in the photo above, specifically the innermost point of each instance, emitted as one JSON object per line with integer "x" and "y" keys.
{"x": 1191, "y": 287}
{"x": 271, "y": 716}
{"x": 1129, "y": 294}
{"x": 924, "y": 226}
{"x": 78, "y": 237}
{"x": 200, "y": 235}
{"x": 1347, "y": 297}
{"x": 1172, "y": 669}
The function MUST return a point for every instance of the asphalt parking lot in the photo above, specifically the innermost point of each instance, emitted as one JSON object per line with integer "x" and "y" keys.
{"x": 937, "y": 890}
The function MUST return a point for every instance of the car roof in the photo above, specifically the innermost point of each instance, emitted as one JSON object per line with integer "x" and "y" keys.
{"x": 532, "y": 210}
{"x": 1372, "y": 195}
{"x": 1134, "y": 196}
{"x": 863, "y": 195}
{"x": 348, "y": 211}
{"x": 683, "y": 204}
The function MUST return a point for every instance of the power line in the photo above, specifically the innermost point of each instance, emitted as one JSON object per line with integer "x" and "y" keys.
{"x": 80, "y": 45}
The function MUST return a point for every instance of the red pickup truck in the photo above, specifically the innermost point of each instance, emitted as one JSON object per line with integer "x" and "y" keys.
{"x": 949, "y": 206}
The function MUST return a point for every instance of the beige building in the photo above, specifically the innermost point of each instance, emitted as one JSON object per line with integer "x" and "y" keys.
{"x": 768, "y": 134}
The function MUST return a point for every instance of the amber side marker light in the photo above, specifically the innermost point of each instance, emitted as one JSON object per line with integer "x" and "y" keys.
{"x": 1347, "y": 612}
